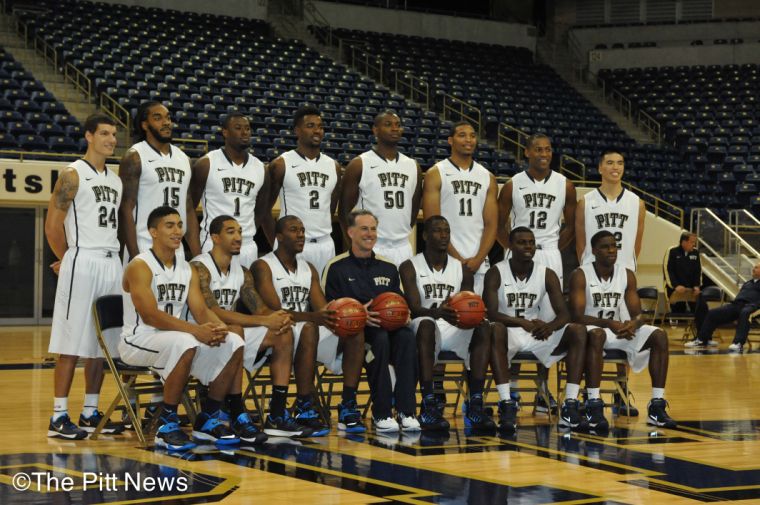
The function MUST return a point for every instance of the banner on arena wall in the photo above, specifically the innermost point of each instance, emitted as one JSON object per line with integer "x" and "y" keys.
{"x": 30, "y": 181}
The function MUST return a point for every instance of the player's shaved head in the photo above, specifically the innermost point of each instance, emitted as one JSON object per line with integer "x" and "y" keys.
{"x": 282, "y": 223}
{"x": 381, "y": 115}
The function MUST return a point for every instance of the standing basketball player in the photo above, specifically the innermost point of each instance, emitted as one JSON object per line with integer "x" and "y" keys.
{"x": 613, "y": 208}
{"x": 154, "y": 173}
{"x": 159, "y": 286}
{"x": 224, "y": 282}
{"x": 81, "y": 227}
{"x": 617, "y": 210}
{"x": 603, "y": 296}
{"x": 360, "y": 274}
{"x": 538, "y": 199}
{"x": 307, "y": 183}
{"x": 387, "y": 183}
{"x": 514, "y": 290}
{"x": 231, "y": 181}
{"x": 464, "y": 192}
{"x": 429, "y": 279}
{"x": 287, "y": 281}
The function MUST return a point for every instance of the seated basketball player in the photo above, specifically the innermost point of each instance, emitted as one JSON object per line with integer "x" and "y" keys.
{"x": 158, "y": 288}
{"x": 514, "y": 290}
{"x": 362, "y": 275}
{"x": 429, "y": 279}
{"x": 603, "y": 297}
{"x": 285, "y": 281}
{"x": 224, "y": 282}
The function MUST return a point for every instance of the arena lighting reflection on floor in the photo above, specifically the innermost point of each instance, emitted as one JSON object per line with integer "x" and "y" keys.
{"x": 336, "y": 466}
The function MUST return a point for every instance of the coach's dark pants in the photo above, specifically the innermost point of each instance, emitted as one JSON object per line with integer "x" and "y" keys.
{"x": 399, "y": 348}
{"x": 708, "y": 321}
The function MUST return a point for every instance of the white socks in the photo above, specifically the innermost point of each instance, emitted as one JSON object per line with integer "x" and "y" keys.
{"x": 592, "y": 393}
{"x": 90, "y": 404}
{"x": 503, "y": 390}
{"x": 658, "y": 393}
{"x": 60, "y": 407}
{"x": 571, "y": 391}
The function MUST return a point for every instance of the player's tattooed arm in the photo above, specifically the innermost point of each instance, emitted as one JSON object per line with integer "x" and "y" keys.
{"x": 130, "y": 170}
{"x": 63, "y": 194}
{"x": 204, "y": 278}
{"x": 250, "y": 297}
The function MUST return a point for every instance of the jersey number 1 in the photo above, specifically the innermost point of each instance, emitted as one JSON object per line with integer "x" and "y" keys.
{"x": 465, "y": 207}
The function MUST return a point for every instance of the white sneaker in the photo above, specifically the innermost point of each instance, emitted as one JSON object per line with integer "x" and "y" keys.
{"x": 384, "y": 425}
{"x": 734, "y": 347}
{"x": 408, "y": 423}
{"x": 693, "y": 343}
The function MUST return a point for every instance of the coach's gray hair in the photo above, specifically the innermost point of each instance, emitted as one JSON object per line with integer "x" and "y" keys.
{"x": 359, "y": 212}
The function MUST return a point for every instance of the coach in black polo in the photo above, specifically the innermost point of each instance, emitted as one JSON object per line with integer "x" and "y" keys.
{"x": 362, "y": 275}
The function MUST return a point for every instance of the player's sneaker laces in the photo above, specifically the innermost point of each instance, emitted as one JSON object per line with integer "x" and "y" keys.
{"x": 541, "y": 406}
{"x": 89, "y": 424}
{"x": 385, "y": 425}
{"x": 430, "y": 417}
{"x": 508, "y": 416}
{"x": 620, "y": 408}
{"x": 285, "y": 426}
{"x": 247, "y": 431}
{"x": 170, "y": 436}
{"x": 595, "y": 415}
{"x": 349, "y": 418}
{"x": 475, "y": 417}
{"x": 209, "y": 428}
{"x": 408, "y": 423}
{"x": 64, "y": 428}
{"x": 569, "y": 415}
{"x": 658, "y": 416}
{"x": 306, "y": 415}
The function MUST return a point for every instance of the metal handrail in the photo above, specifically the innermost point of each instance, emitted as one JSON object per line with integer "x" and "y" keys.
{"x": 203, "y": 143}
{"x": 454, "y": 105}
{"x": 417, "y": 87}
{"x": 728, "y": 233}
{"x": 48, "y": 52}
{"x": 502, "y": 137}
{"x": 78, "y": 79}
{"x": 318, "y": 19}
{"x": 114, "y": 109}
{"x": 570, "y": 174}
{"x": 621, "y": 103}
{"x": 745, "y": 230}
{"x": 371, "y": 63}
{"x": 651, "y": 125}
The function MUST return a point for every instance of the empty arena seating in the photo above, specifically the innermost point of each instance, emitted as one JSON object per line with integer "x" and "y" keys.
{"x": 711, "y": 114}
{"x": 203, "y": 66}
{"x": 31, "y": 118}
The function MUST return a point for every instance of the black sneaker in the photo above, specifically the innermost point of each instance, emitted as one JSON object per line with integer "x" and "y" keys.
{"x": 349, "y": 418}
{"x": 285, "y": 426}
{"x": 595, "y": 415}
{"x": 657, "y": 414}
{"x": 541, "y": 406}
{"x": 508, "y": 416}
{"x": 569, "y": 416}
{"x": 170, "y": 437}
{"x": 64, "y": 428}
{"x": 89, "y": 424}
{"x": 306, "y": 415}
{"x": 430, "y": 417}
{"x": 619, "y": 407}
{"x": 246, "y": 430}
{"x": 475, "y": 418}
{"x": 210, "y": 428}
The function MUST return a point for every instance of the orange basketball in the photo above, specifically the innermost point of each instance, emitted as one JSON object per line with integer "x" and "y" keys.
{"x": 392, "y": 309}
{"x": 351, "y": 316}
{"x": 470, "y": 309}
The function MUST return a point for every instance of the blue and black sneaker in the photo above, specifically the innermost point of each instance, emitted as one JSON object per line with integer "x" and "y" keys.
{"x": 306, "y": 415}
{"x": 170, "y": 436}
{"x": 89, "y": 424}
{"x": 431, "y": 418}
{"x": 349, "y": 418}
{"x": 247, "y": 431}
{"x": 595, "y": 415}
{"x": 475, "y": 417}
{"x": 64, "y": 428}
{"x": 209, "y": 428}
{"x": 285, "y": 426}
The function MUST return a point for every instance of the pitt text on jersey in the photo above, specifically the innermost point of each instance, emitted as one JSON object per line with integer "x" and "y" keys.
{"x": 466, "y": 187}
{"x": 170, "y": 174}
{"x": 606, "y": 300}
{"x": 237, "y": 185}
{"x": 438, "y": 291}
{"x": 295, "y": 298}
{"x": 225, "y": 296}
{"x": 105, "y": 194}
{"x": 312, "y": 179}
{"x": 521, "y": 300}
{"x": 393, "y": 179}
{"x": 538, "y": 200}
{"x": 170, "y": 292}
{"x": 611, "y": 220}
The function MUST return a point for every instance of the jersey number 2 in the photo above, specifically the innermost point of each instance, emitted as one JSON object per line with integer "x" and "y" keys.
{"x": 313, "y": 199}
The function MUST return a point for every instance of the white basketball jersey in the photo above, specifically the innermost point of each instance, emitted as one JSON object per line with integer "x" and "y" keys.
{"x": 293, "y": 288}
{"x": 619, "y": 216}
{"x": 93, "y": 217}
{"x": 231, "y": 190}
{"x": 306, "y": 192}
{"x": 463, "y": 197}
{"x": 521, "y": 298}
{"x": 605, "y": 299}
{"x": 386, "y": 189}
{"x": 163, "y": 181}
{"x": 225, "y": 286}
{"x": 170, "y": 287}
{"x": 538, "y": 205}
{"x": 437, "y": 285}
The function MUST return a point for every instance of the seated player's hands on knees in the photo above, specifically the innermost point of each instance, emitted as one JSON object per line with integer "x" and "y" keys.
{"x": 212, "y": 334}
{"x": 279, "y": 320}
{"x": 326, "y": 317}
{"x": 445, "y": 312}
{"x": 541, "y": 330}
{"x": 56, "y": 266}
{"x": 529, "y": 325}
{"x": 627, "y": 330}
{"x": 372, "y": 319}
